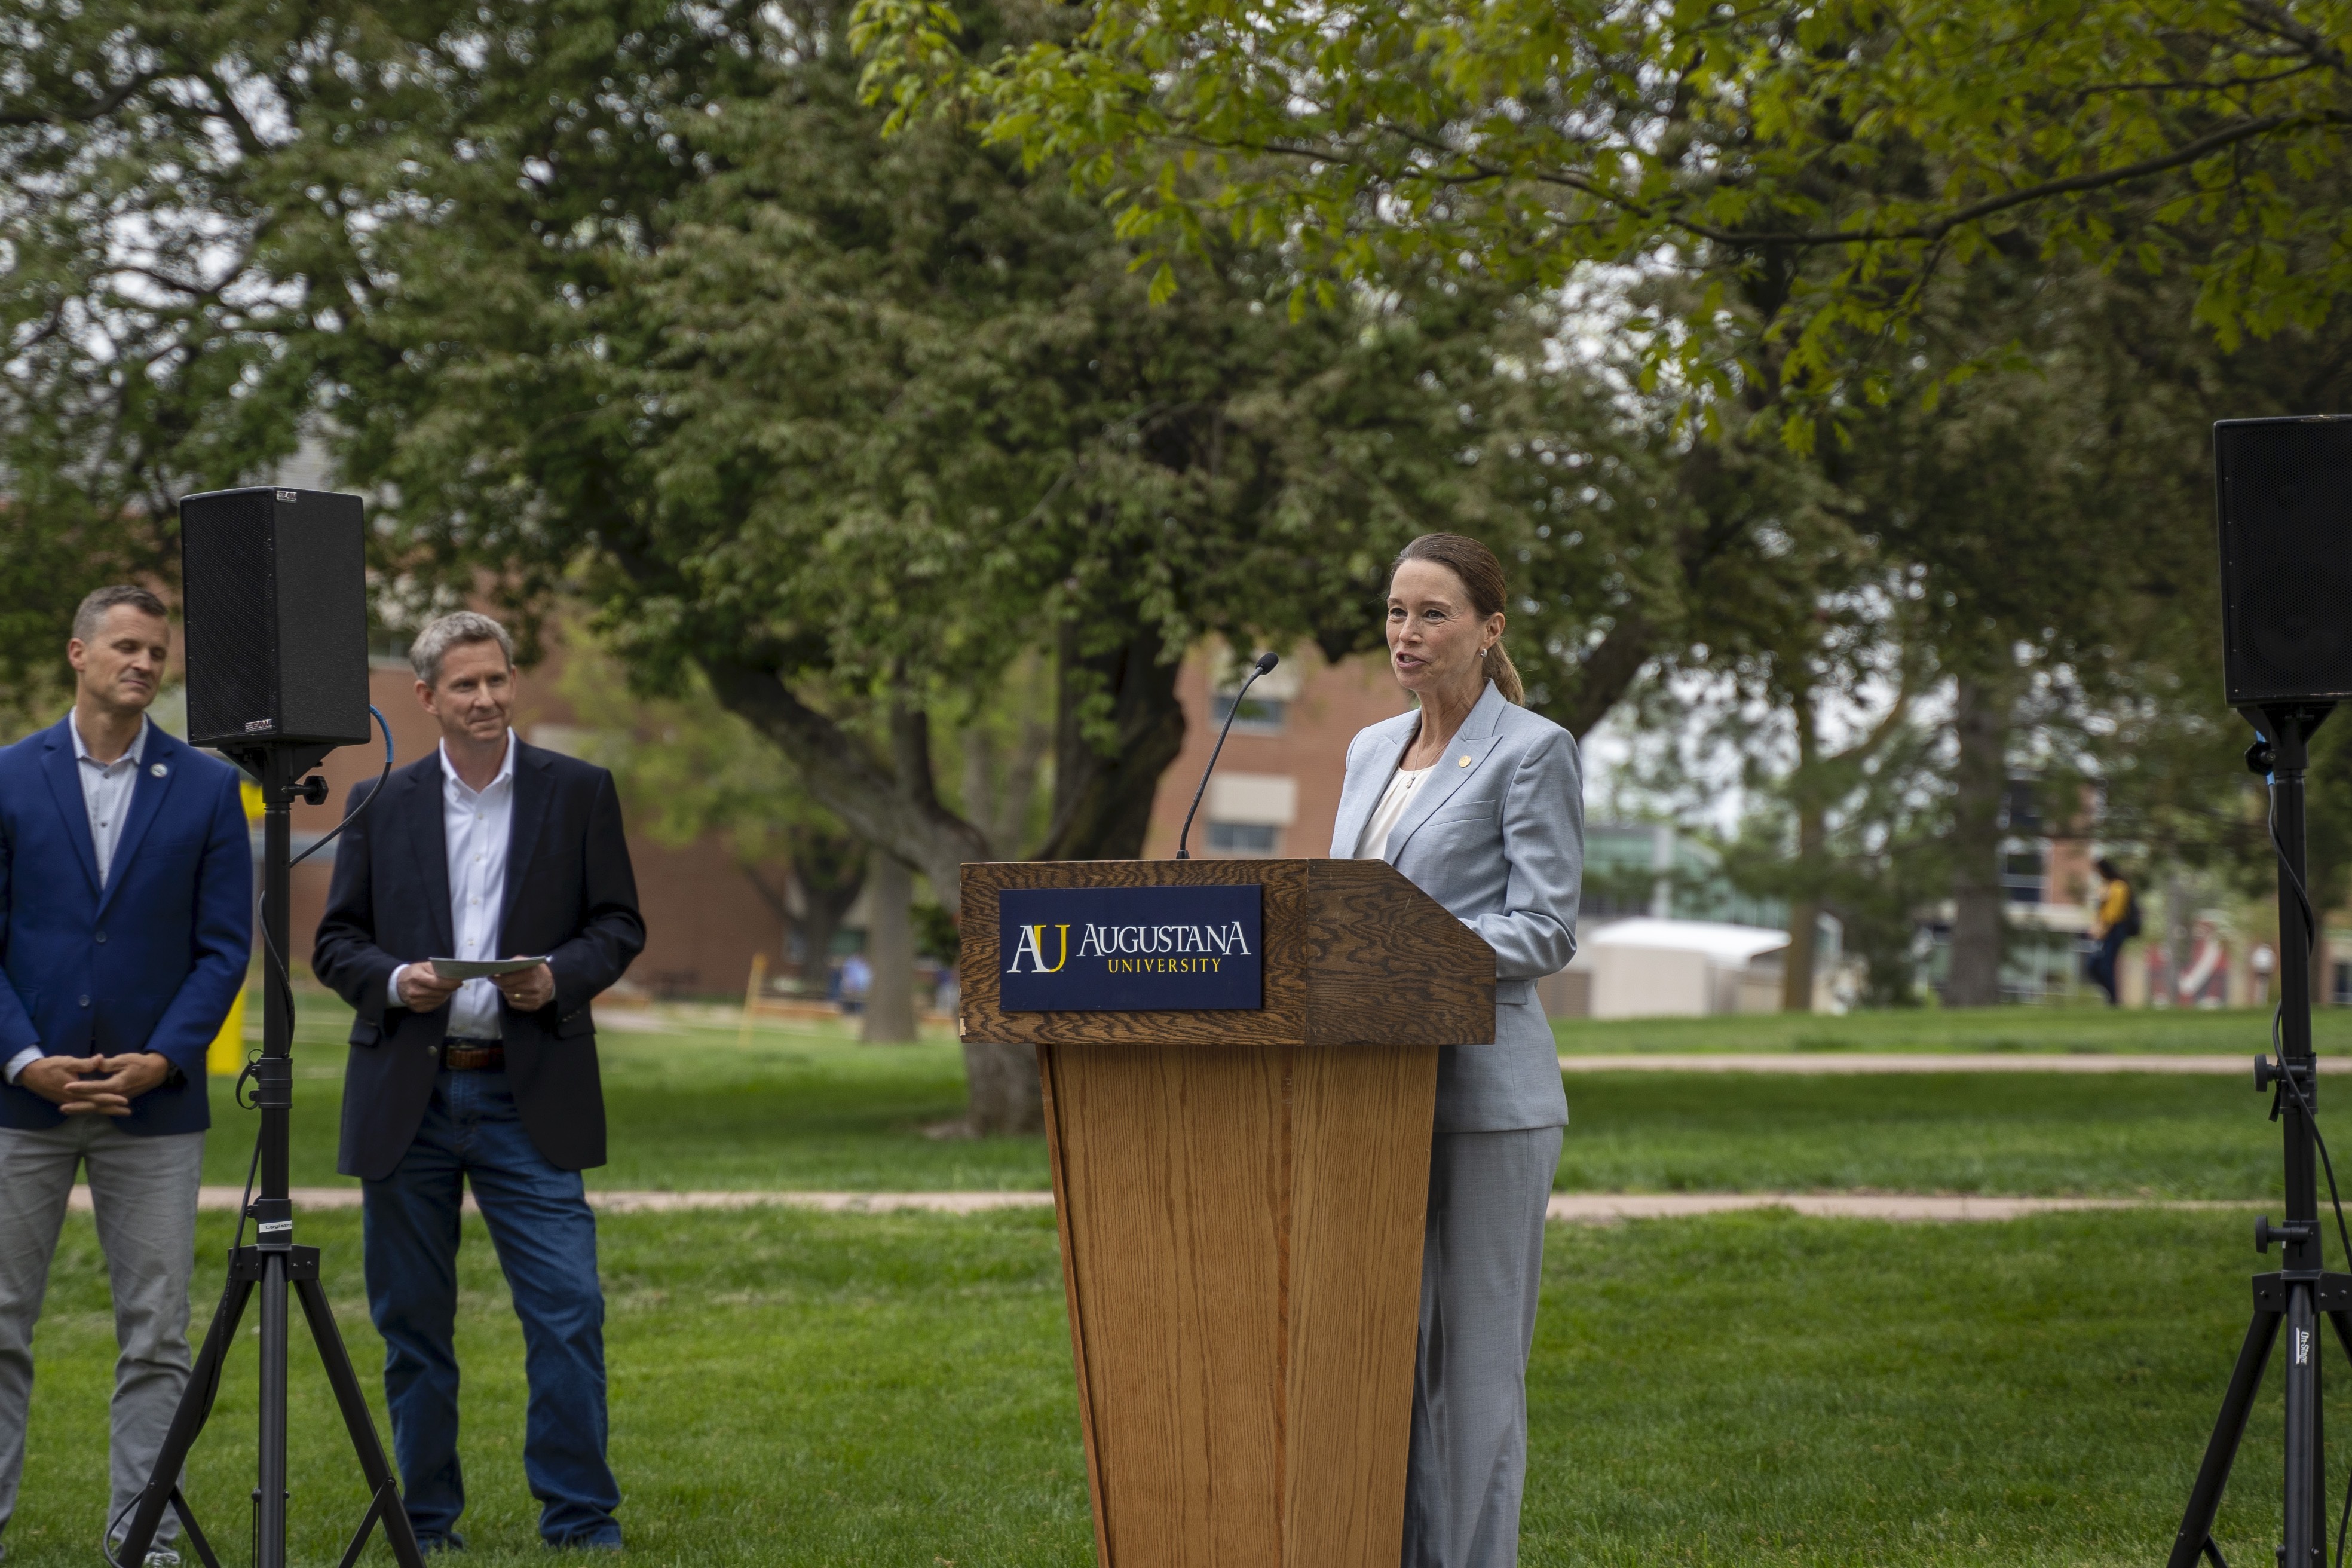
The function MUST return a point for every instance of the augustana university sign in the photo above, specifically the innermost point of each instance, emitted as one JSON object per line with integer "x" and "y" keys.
{"x": 1130, "y": 949}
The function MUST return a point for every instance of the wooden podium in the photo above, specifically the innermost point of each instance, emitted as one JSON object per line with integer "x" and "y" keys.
{"x": 1241, "y": 1198}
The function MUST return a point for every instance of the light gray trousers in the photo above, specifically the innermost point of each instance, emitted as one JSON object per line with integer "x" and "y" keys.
{"x": 1481, "y": 1266}
{"x": 145, "y": 1192}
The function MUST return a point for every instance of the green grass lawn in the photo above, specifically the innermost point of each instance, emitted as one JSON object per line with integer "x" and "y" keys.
{"x": 792, "y": 1388}
{"x": 807, "y": 1107}
{"x": 2228, "y": 1031}
{"x": 2126, "y": 1134}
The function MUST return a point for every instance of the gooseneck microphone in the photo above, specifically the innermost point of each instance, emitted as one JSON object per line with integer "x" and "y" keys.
{"x": 1266, "y": 661}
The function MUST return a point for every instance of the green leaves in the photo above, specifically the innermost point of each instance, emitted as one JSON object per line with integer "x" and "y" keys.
{"x": 1838, "y": 160}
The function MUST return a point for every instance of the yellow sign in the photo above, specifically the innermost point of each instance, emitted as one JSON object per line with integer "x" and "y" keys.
{"x": 225, "y": 1058}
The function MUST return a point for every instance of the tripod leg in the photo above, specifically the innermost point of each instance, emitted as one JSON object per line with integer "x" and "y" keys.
{"x": 2304, "y": 1503}
{"x": 270, "y": 1495}
{"x": 2221, "y": 1450}
{"x": 187, "y": 1420}
{"x": 359, "y": 1421}
{"x": 2318, "y": 1454}
{"x": 195, "y": 1531}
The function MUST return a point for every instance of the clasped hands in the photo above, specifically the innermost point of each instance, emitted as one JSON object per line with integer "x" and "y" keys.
{"x": 527, "y": 991}
{"x": 65, "y": 1082}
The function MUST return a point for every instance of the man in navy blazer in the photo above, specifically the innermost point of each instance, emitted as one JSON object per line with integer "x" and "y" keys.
{"x": 126, "y": 922}
{"x": 486, "y": 848}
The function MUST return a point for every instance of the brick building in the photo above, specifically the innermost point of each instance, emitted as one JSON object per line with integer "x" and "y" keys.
{"x": 1276, "y": 790}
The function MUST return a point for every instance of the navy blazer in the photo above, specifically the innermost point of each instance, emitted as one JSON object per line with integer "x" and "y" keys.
{"x": 151, "y": 961}
{"x": 570, "y": 893}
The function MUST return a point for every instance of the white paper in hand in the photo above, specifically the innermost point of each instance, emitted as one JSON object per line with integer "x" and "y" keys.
{"x": 482, "y": 968}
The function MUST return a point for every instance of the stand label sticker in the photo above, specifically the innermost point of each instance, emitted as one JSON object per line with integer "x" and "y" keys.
{"x": 1112, "y": 949}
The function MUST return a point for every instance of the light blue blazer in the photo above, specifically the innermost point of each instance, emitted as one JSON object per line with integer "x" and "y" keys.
{"x": 1500, "y": 843}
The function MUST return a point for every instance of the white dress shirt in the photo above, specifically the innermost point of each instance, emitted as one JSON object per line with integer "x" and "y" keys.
{"x": 476, "y": 825}
{"x": 1403, "y": 785}
{"x": 106, "y": 789}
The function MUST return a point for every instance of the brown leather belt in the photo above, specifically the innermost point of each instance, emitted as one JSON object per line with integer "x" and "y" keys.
{"x": 473, "y": 1056}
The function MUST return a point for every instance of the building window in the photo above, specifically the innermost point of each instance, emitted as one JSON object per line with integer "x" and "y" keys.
{"x": 1243, "y": 837}
{"x": 1259, "y": 715}
{"x": 2021, "y": 873}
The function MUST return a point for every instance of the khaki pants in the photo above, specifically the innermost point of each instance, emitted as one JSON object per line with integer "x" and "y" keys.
{"x": 144, "y": 1192}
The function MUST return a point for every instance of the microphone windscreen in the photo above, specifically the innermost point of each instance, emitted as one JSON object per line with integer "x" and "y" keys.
{"x": 1267, "y": 661}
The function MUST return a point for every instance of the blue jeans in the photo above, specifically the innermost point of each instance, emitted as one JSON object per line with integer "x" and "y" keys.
{"x": 546, "y": 1240}
{"x": 2104, "y": 963}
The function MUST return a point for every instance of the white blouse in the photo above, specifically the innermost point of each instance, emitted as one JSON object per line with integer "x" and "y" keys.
{"x": 1403, "y": 786}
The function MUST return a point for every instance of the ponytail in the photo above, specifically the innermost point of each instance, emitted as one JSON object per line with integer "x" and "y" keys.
{"x": 1504, "y": 674}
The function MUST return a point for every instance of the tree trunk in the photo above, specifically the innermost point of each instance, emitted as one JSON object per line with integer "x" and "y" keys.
{"x": 830, "y": 869}
{"x": 1979, "y": 779}
{"x": 890, "y": 952}
{"x": 1104, "y": 784}
{"x": 1005, "y": 1099}
{"x": 1804, "y": 925}
{"x": 885, "y": 806}
{"x": 1813, "y": 837}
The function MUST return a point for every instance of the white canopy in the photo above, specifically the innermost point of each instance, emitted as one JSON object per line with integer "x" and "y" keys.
{"x": 1722, "y": 942}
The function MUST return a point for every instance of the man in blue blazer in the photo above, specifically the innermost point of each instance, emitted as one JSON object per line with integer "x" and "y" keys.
{"x": 126, "y": 922}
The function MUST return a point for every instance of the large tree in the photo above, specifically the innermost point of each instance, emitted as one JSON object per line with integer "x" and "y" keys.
{"x": 635, "y": 304}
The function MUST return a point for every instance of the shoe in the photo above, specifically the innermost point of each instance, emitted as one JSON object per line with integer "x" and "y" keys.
{"x": 586, "y": 1543}
{"x": 157, "y": 1556}
{"x": 430, "y": 1545}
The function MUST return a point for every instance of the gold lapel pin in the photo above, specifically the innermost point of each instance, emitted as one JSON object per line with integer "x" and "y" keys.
{"x": 1465, "y": 759}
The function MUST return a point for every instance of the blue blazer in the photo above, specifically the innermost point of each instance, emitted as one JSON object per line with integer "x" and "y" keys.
{"x": 149, "y": 963}
{"x": 1497, "y": 834}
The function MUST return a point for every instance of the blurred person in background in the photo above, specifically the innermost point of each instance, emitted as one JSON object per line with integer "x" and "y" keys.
{"x": 484, "y": 848}
{"x": 2115, "y": 923}
{"x": 126, "y": 925}
{"x": 856, "y": 983}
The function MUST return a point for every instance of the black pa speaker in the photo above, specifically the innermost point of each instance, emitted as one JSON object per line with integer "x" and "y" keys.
{"x": 2283, "y": 489}
{"x": 273, "y": 585}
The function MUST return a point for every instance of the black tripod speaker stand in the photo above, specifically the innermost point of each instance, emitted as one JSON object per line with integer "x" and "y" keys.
{"x": 273, "y": 1265}
{"x": 2301, "y": 1293}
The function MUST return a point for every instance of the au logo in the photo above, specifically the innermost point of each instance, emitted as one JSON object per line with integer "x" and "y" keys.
{"x": 1155, "y": 947}
{"x": 1031, "y": 944}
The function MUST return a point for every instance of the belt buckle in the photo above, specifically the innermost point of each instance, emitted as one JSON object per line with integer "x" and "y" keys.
{"x": 473, "y": 1048}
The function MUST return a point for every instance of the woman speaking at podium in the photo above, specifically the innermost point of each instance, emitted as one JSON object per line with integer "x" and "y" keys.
{"x": 1481, "y": 805}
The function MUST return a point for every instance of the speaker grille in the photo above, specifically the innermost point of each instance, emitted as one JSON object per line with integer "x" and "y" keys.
{"x": 2284, "y": 494}
{"x": 231, "y": 633}
{"x": 322, "y": 616}
{"x": 276, "y": 587}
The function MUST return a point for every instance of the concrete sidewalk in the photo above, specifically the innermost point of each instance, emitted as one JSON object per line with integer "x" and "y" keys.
{"x": 1573, "y": 1208}
{"x": 1825, "y": 1062}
